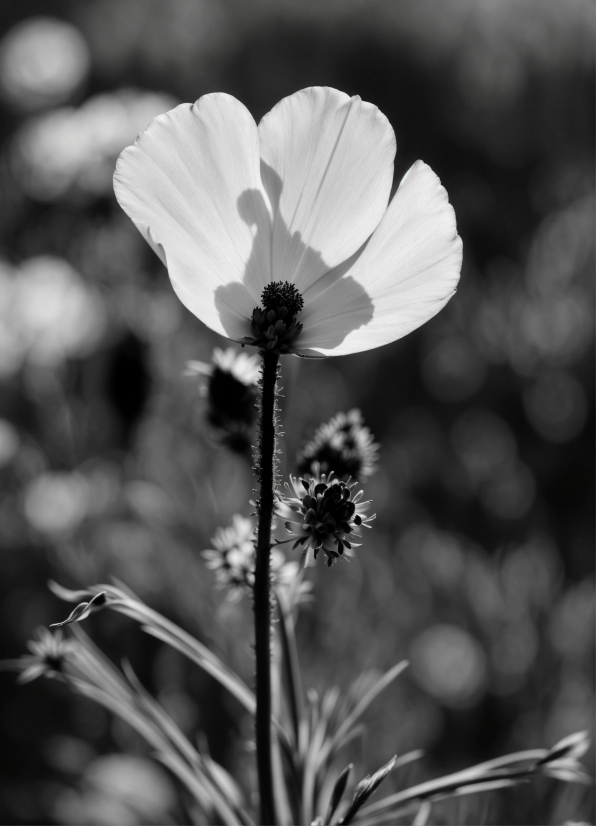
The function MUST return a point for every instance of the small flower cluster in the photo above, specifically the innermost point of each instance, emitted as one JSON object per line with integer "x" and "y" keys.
{"x": 228, "y": 385}
{"x": 329, "y": 513}
{"x": 232, "y": 559}
{"x": 275, "y": 327}
{"x": 343, "y": 446}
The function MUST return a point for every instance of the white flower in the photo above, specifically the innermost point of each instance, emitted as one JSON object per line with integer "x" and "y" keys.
{"x": 244, "y": 368}
{"x": 300, "y": 200}
{"x": 232, "y": 560}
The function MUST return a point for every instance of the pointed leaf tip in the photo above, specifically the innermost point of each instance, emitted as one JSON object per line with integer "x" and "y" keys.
{"x": 338, "y": 791}
{"x": 366, "y": 787}
{"x": 82, "y": 610}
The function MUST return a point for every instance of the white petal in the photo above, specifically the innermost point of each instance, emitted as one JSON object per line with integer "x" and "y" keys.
{"x": 406, "y": 273}
{"x": 191, "y": 183}
{"x": 328, "y": 165}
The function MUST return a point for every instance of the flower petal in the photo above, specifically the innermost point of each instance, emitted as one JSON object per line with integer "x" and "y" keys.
{"x": 406, "y": 273}
{"x": 191, "y": 183}
{"x": 328, "y": 170}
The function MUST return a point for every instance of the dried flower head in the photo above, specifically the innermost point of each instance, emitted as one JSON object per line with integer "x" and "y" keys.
{"x": 329, "y": 512}
{"x": 228, "y": 385}
{"x": 343, "y": 446}
{"x": 232, "y": 559}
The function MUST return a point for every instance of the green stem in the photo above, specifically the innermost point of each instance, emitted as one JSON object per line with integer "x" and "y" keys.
{"x": 265, "y": 470}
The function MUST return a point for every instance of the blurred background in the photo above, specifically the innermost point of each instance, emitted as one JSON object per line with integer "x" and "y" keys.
{"x": 480, "y": 564}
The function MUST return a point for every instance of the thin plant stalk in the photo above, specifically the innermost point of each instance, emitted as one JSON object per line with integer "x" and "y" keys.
{"x": 265, "y": 469}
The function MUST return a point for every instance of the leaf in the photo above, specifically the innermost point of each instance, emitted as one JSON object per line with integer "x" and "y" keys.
{"x": 291, "y": 665}
{"x": 211, "y": 664}
{"x": 361, "y": 707}
{"x": 83, "y": 610}
{"x": 338, "y": 792}
{"x": 572, "y": 747}
{"x": 66, "y": 593}
{"x": 365, "y": 788}
{"x": 423, "y": 814}
{"x": 449, "y": 785}
{"x": 158, "y": 626}
{"x": 568, "y": 771}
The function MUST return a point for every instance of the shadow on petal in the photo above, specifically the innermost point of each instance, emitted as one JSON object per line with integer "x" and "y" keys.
{"x": 354, "y": 307}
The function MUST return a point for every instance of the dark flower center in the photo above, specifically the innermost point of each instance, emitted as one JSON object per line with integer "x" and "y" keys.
{"x": 274, "y": 327}
{"x": 54, "y": 662}
{"x": 330, "y": 509}
{"x": 280, "y": 294}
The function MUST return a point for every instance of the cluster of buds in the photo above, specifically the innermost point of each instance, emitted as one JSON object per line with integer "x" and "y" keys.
{"x": 274, "y": 327}
{"x": 329, "y": 511}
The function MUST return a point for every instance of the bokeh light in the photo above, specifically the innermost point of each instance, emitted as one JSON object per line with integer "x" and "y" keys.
{"x": 76, "y": 149}
{"x": 42, "y": 62}
{"x": 449, "y": 664}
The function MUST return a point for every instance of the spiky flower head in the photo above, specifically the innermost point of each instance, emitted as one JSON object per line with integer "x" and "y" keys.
{"x": 228, "y": 385}
{"x": 274, "y": 326}
{"x": 232, "y": 559}
{"x": 343, "y": 446}
{"x": 49, "y": 652}
{"x": 329, "y": 513}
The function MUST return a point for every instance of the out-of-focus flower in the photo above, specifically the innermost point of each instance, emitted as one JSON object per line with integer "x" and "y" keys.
{"x": 329, "y": 512}
{"x": 42, "y": 61}
{"x": 298, "y": 203}
{"x": 49, "y": 652}
{"x": 244, "y": 368}
{"x": 76, "y": 148}
{"x": 57, "y": 503}
{"x": 232, "y": 559}
{"x": 228, "y": 385}
{"x": 343, "y": 446}
{"x": 449, "y": 663}
{"x": 48, "y": 313}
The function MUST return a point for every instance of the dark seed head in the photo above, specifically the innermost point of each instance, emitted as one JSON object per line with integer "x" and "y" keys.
{"x": 280, "y": 294}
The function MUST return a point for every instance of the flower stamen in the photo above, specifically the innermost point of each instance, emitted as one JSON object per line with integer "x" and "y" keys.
{"x": 274, "y": 326}
{"x": 327, "y": 512}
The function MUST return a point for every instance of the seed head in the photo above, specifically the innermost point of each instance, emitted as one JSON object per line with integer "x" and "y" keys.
{"x": 329, "y": 514}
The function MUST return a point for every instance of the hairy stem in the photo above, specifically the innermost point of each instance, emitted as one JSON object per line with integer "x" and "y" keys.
{"x": 265, "y": 469}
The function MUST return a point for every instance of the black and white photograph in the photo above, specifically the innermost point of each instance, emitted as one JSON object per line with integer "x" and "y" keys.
{"x": 297, "y": 412}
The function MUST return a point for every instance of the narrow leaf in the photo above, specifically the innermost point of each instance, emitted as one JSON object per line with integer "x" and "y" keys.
{"x": 338, "y": 792}
{"x": 291, "y": 665}
{"x": 361, "y": 707}
{"x": 365, "y": 788}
